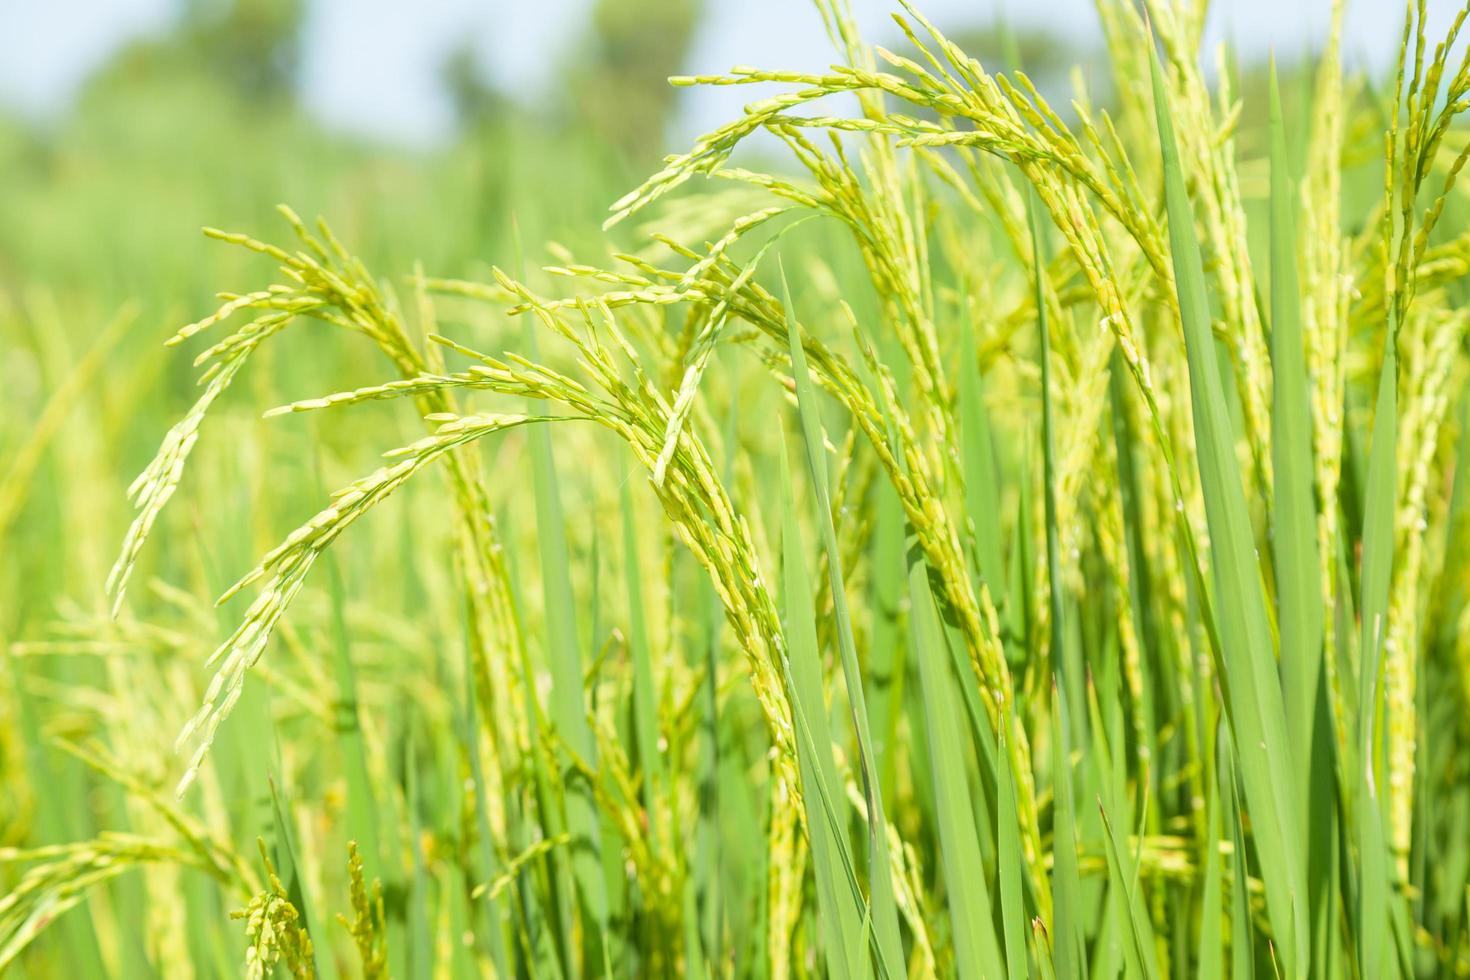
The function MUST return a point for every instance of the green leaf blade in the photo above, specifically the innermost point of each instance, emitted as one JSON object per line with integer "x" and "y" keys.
{"x": 1256, "y": 710}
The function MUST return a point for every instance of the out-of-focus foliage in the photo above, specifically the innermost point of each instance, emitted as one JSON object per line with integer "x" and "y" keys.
{"x": 252, "y": 47}
{"x": 619, "y": 78}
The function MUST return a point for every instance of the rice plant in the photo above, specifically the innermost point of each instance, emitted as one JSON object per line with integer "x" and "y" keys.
{"x": 996, "y": 539}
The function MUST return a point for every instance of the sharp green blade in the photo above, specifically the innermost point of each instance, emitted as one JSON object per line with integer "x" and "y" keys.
{"x": 1374, "y": 898}
{"x": 887, "y": 661}
{"x": 982, "y": 495}
{"x": 1293, "y": 512}
{"x": 645, "y": 700}
{"x": 1211, "y": 935}
{"x": 842, "y": 911}
{"x": 883, "y": 909}
{"x": 1068, "y": 937}
{"x": 1242, "y": 939}
{"x": 1061, "y": 662}
{"x": 977, "y": 954}
{"x": 1008, "y": 854}
{"x": 1254, "y": 700}
{"x": 1300, "y": 613}
{"x": 568, "y": 708}
{"x": 1140, "y": 951}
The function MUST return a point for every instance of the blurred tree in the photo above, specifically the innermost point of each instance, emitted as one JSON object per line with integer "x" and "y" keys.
{"x": 476, "y": 101}
{"x": 619, "y": 76}
{"x": 250, "y": 47}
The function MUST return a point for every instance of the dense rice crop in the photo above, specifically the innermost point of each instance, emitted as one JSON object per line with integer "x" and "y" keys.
{"x": 997, "y": 541}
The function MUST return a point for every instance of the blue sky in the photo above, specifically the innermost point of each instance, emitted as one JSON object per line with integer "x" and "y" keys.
{"x": 370, "y": 64}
